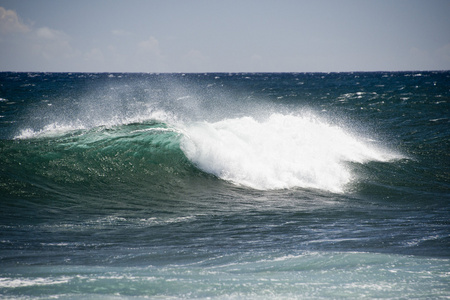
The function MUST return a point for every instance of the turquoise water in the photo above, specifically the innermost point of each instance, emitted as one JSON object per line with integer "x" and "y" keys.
{"x": 224, "y": 186}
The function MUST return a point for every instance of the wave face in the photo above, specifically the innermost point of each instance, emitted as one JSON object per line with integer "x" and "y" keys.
{"x": 280, "y": 152}
{"x": 257, "y": 145}
{"x": 224, "y": 185}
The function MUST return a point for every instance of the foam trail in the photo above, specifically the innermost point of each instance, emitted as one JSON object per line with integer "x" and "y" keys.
{"x": 285, "y": 151}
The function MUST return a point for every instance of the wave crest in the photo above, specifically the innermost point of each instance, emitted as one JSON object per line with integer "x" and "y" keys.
{"x": 285, "y": 151}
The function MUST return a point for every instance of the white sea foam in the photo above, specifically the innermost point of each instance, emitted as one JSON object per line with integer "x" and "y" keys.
{"x": 48, "y": 130}
{"x": 7, "y": 282}
{"x": 285, "y": 151}
{"x": 158, "y": 129}
{"x": 58, "y": 128}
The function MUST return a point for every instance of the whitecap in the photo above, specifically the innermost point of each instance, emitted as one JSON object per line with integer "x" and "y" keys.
{"x": 284, "y": 151}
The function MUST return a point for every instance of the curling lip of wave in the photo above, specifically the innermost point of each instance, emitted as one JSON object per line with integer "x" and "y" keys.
{"x": 285, "y": 151}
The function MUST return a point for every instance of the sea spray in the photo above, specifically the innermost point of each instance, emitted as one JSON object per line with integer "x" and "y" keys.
{"x": 284, "y": 151}
{"x": 57, "y": 128}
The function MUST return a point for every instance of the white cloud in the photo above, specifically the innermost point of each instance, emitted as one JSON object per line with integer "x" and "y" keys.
{"x": 42, "y": 49}
{"x": 121, "y": 33}
{"x": 149, "y": 47}
{"x": 52, "y": 44}
{"x": 10, "y": 23}
{"x": 50, "y": 34}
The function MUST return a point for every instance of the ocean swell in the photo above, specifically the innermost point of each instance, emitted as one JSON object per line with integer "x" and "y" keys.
{"x": 279, "y": 152}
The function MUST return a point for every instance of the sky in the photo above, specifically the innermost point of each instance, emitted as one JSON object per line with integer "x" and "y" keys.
{"x": 224, "y": 35}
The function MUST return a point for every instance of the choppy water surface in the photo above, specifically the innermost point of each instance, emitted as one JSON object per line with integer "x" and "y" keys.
{"x": 224, "y": 186}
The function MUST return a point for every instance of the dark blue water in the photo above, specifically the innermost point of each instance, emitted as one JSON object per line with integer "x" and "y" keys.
{"x": 225, "y": 186}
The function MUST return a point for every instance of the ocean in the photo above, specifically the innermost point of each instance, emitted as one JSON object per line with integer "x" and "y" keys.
{"x": 225, "y": 186}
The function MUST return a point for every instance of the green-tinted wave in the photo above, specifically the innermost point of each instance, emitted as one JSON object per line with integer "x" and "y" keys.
{"x": 145, "y": 156}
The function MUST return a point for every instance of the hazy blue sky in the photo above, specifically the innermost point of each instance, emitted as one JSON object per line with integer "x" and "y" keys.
{"x": 224, "y": 35}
